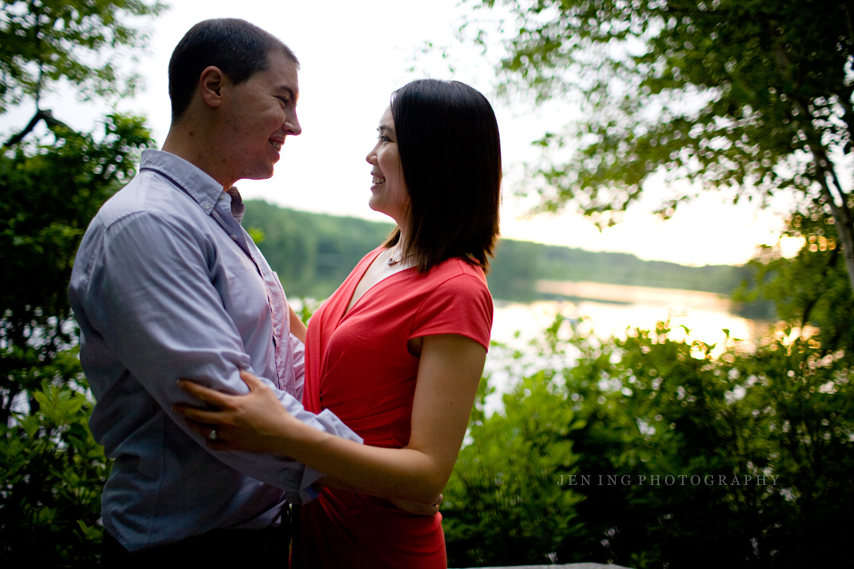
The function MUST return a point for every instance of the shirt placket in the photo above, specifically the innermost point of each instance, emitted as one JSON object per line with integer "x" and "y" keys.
{"x": 276, "y": 301}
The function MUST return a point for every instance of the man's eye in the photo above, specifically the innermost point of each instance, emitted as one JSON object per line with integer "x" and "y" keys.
{"x": 284, "y": 100}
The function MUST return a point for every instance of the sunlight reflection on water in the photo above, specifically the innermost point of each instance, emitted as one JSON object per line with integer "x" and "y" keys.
{"x": 704, "y": 314}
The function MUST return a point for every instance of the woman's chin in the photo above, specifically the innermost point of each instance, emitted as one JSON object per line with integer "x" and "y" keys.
{"x": 376, "y": 204}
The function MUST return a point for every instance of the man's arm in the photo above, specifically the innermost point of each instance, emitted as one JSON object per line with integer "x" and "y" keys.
{"x": 150, "y": 295}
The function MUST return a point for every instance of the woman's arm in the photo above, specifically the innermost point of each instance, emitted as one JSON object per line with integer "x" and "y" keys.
{"x": 448, "y": 375}
{"x": 298, "y": 329}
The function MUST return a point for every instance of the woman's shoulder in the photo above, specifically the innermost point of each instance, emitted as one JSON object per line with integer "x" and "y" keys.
{"x": 454, "y": 268}
{"x": 455, "y": 300}
{"x": 453, "y": 278}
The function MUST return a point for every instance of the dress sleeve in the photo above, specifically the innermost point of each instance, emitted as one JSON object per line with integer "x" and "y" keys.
{"x": 461, "y": 305}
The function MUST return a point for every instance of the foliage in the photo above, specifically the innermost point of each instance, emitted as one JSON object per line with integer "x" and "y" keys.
{"x": 312, "y": 253}
{"x": 812, "y": 288}
{"x": 503, "y": 505}
{"x": 43, "y": 42}
{"x": 650, "y": 408}
{"x": 51, "y": 473}
{"x": 750, "y": 96}
{"x": 51, "y": 189}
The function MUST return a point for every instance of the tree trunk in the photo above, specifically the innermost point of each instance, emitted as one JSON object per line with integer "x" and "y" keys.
{"x": 841, "y": 214}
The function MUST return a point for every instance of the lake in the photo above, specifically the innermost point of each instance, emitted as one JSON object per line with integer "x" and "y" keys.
{"x": 608, "y": 310}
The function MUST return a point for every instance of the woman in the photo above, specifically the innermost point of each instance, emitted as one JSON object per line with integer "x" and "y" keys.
{"x": 398, "y": 350}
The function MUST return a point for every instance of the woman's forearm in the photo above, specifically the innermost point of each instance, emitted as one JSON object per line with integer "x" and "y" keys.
{"x": 393, "y": 473}
{"x": 448, "y": 374}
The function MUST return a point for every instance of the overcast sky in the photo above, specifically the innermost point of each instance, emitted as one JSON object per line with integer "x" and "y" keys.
{"x": 353, "y": 55}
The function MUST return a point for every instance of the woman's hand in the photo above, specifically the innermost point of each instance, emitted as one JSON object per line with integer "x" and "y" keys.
{"x": 408, "y": 506}
{"x": 255, "y": 422}
{"x": 418, "y": 508}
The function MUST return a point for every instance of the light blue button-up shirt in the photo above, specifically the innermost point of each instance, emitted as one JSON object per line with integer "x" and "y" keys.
{"x": 167, "y": 284}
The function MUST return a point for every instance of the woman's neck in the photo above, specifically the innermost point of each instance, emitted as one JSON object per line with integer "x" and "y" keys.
{"x": 398, "y": 252}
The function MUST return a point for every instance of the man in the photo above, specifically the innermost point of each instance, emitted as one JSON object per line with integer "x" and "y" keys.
{"x": 167, "y": 284}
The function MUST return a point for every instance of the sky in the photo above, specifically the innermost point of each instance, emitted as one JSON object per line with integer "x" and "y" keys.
{"x": 353, "y": 55}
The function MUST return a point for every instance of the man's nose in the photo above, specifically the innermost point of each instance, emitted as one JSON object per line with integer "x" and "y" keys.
{"x": 292, "y": 126}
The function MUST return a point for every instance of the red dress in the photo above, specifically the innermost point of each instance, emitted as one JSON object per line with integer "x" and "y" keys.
{"x": 358, "y": 366}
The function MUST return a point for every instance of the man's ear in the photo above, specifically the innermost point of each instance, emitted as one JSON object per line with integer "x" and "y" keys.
{"x": 211, "y": 82}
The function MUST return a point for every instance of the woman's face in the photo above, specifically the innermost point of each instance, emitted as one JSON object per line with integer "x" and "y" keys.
{"x": 388, "y": 190}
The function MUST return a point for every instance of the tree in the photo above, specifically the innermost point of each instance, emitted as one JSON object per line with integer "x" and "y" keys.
{"x": 811, "y": 288}
{"x": 751, "y": 96}
{"x": 52, "y": 181}
{"x": 43, "y": 42}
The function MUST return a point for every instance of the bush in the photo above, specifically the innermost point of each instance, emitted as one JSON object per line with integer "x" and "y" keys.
{"x": 51, "y": 474}
{"x": 649, "y": 406}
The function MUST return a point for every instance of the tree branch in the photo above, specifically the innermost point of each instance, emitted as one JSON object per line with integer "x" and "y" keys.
{"x": 48, "y": 119}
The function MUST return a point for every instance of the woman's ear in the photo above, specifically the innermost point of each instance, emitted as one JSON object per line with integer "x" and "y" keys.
{"x": 211, "y": 82}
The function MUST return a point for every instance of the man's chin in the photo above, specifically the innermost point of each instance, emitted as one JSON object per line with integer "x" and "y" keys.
{"x": 265, "y": 175}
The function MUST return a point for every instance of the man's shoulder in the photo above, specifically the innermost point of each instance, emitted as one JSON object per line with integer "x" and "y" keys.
{"x": 147, "y": 195}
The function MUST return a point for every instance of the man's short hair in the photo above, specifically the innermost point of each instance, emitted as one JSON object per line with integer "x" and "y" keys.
{"x": 239, "y": 49}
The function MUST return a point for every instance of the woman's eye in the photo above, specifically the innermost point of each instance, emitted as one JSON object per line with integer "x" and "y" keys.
{"x": 384, "y": 138}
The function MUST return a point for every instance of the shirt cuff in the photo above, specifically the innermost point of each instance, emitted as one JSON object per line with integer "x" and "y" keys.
{"x": 307, "y": 492}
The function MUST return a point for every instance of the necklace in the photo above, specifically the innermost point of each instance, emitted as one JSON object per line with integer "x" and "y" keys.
{"x": 391, "y": 260}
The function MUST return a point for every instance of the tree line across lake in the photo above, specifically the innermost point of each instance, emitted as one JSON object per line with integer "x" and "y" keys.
{"x": 313, "y": 254}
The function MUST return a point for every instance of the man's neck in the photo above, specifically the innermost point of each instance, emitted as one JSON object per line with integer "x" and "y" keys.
{"x": 194, "y": 146}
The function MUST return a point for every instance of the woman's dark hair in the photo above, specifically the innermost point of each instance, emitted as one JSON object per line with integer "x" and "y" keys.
{"x": 450, "y": 153}
{"x": 237, "y": 47}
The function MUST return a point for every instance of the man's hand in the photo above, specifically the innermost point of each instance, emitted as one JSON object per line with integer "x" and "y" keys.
{"x": 418, "y": 508}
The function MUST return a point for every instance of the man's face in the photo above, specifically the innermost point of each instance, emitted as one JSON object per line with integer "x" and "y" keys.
{"x": 258, "y": 114}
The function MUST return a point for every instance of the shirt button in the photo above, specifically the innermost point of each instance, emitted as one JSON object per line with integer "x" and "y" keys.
{"x": 234, "y": 237}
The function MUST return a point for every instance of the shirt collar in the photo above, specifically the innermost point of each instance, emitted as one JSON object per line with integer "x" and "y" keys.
{"x": 195, "y": 182}
{"x": 238, "y": 208}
